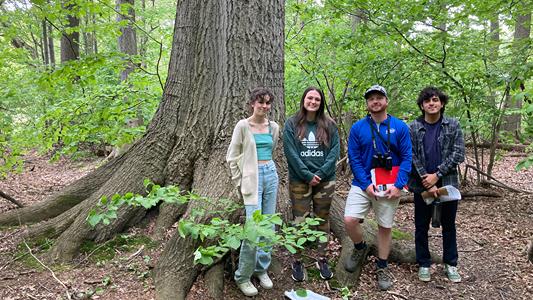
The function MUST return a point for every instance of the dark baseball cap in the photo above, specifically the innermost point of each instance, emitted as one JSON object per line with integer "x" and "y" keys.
{"x": 376, "y": 88}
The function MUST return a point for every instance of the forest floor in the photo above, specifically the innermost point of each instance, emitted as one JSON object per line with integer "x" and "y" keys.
{"x": 492, "y": 233}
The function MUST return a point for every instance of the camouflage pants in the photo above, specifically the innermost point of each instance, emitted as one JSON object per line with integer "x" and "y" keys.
{"x": 303, "y": 196}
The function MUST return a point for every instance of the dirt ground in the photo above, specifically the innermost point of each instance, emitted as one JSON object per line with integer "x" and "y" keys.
{"x": 493, "y": 236}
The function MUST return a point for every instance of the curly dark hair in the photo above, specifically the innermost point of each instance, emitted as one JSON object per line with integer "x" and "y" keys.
{"x": 429, "y": 92}
{"x": 260, "y": 93}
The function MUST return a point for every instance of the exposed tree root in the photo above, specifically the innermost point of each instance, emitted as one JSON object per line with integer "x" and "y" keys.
{"x": 52, "y": 228}
{"x": 63, "y": 200}
{"x": 214, "y": 281}
{"x": 168, "y": 215}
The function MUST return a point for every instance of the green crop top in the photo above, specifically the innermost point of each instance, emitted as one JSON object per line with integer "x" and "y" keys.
{"x": 263, "y": 144}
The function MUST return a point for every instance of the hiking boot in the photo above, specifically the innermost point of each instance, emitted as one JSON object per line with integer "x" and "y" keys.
{"x": 451, "y": 272}
{"x": 424, "y": 274}
{"x": 247, "y": 288}
{"x": 265, "y": 281}
{"x": 384, "y": 279}
{"x": 325, "y": 272}
{"x": 351, "y": 262}
{"x": 298, "y": 271}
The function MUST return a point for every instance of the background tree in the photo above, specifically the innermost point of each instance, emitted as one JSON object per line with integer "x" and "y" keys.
{"x": 70, "y": 37}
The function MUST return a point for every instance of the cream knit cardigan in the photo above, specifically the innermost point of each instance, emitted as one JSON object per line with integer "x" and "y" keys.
{"x": 242, "y": 159}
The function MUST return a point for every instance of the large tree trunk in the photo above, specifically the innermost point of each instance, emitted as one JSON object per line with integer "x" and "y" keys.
{"x": 221, "y": 50}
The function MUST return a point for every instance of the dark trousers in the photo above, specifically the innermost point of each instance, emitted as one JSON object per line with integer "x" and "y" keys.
{"x": 449, "y": 239}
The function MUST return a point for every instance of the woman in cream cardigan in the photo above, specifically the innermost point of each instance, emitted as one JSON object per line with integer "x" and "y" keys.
{"x": 254, "y": 174}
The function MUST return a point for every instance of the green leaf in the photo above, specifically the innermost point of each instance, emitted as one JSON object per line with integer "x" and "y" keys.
{"x": 233, "y": 242}
{"x": 301, "y": 293}
{"x": 94, "y": 219}
{"x": 290, "y": 248}
{"x": 301, "y": 241}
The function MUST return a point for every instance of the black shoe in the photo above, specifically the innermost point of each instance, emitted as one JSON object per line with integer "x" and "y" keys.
{"x": 298, "y": 271}
{"x": 351, "y": 262}
{"x": 322, "y": 265}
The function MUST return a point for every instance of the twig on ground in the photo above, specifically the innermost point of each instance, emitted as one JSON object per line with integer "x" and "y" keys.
{"x": 478, "y": 242}
{"x": 13, "y": 260}
{"x": 136, "y": 253}
{"x": 50, "y": 270}
{"x": 397, "y": 294}
{"x": 471, "y": 250}
{"x": 94, "y": 281}
{"x": 31, "y": 297}
{"x": 496, "y": 181}
{"x": 91, "y": 253}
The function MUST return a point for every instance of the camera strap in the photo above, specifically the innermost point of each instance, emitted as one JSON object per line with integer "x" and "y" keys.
{"x": 375, "y": 131}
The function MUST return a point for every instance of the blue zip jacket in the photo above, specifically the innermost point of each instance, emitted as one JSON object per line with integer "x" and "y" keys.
{"x": 360, "y": 149}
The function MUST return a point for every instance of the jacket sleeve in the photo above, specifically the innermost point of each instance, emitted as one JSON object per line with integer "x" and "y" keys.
{"x": 458, "y": 154}
{"x": 405, "y": 155}
{"x": 275, "y": 136}
{"x": 235, "y": 154}
{"x": 291, "y": 153}
{"x": 330, "y": 164}
{"x": 417, "y": 161}
{"x": 355, "y": 159}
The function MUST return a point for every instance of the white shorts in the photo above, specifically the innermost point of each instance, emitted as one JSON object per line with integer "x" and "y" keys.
{"x": 359, "y": 202}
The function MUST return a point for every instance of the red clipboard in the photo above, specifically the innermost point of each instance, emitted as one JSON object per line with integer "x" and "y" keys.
{"x": 383, "y": 178}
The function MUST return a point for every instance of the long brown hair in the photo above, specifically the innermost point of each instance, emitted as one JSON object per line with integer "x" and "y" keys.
{"x": 323, "y": 122}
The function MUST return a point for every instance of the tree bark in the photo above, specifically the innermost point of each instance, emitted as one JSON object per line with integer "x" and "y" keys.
{"x": 46, "y": 55}
{"x": 530, "y": 251}
{"x": 50, "y": 44}
{"x": 70, "y": 41}
{"x": 521, "y": 45}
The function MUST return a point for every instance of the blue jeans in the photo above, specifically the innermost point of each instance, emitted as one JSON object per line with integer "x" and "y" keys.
{"x": 254, "y": 260}
{"x": 449, "y": 238}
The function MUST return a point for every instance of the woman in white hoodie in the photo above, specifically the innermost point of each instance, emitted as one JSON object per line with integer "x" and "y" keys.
{"x": 254, "y": 173}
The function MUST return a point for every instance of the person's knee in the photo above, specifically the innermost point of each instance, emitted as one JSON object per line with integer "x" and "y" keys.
{"x": 351, "y": 221}
{"x": 384, "y": 230}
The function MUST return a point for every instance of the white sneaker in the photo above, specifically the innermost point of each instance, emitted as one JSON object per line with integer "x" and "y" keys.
{"x": 265, "y": 281}
{"x": 247, "y": 288}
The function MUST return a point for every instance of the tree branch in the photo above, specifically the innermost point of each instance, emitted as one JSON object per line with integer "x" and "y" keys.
{"x": 13, "y": 200}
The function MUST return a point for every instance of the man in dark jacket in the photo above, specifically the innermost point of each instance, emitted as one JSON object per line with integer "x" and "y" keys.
{"x": 438, "y": 148}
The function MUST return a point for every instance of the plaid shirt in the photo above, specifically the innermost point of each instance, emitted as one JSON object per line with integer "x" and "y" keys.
{"x": 452, "y": 147}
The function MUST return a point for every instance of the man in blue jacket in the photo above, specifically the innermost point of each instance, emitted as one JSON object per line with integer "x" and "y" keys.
{"x": 378, "y": 141}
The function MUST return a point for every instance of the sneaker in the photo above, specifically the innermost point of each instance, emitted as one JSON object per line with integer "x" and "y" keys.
{"x": 265, "y": 281}
{"x": 384, "y": 279}
{"x": 325, "y": 272}
{"x": 247, "y": 288}
{"x": 451, "y": 272}
{"x": 351, "y": 262}
{"x": 298, "y": 271}
{"x": 424, "y": 274}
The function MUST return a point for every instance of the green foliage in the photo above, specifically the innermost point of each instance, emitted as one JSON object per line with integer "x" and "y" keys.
{"x": 401, "y": 235}
{"x": 79, "y": 105}
{"x": 225, "y": 235}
